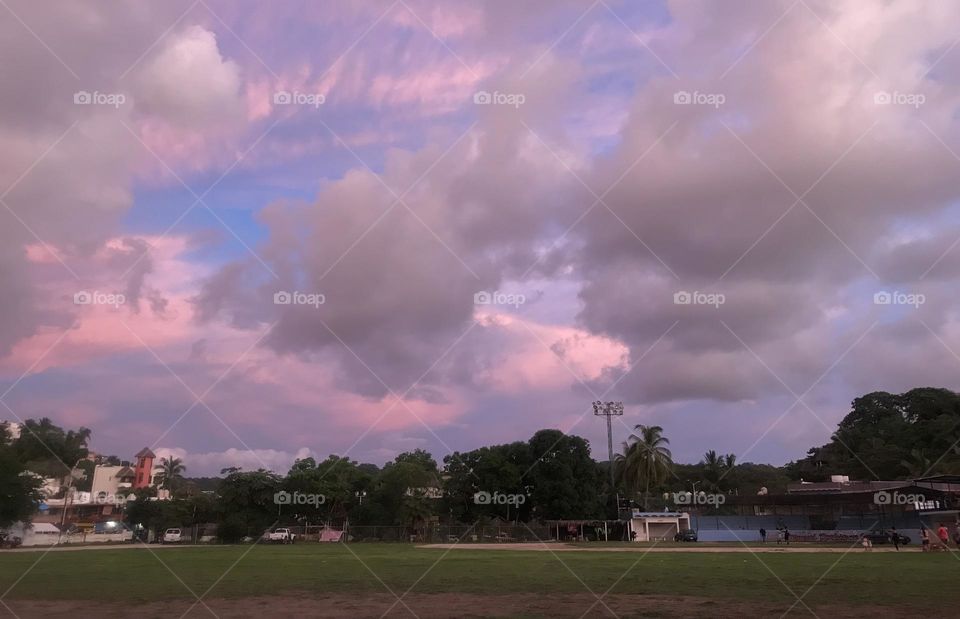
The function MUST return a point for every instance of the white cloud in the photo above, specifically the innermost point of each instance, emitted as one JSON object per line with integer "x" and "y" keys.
{"x": 189, "y": 84}
{"x": 211, "y": 463}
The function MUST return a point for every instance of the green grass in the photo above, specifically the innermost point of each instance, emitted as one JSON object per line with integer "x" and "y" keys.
{"x": 914, "y": 579}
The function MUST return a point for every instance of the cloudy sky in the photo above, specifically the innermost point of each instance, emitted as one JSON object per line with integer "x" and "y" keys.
{"x": 245, "y": 232}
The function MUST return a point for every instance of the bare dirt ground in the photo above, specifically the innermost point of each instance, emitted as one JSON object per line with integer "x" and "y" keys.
{"x": 434, "y": 606}
{"x": 556, "y": 547}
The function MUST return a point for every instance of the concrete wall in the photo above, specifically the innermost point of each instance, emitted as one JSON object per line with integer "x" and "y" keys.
{"x": 839, "y": 537}
{"x": 50, "y": 539}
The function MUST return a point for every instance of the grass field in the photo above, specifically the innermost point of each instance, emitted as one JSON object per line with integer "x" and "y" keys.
{"x": 502, "y": 583}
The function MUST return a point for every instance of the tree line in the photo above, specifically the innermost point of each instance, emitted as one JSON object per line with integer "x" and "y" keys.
{"x": 550, "y": 476}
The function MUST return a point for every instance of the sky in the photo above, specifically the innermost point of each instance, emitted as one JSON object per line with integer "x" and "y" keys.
{"x": 243, "y": 233}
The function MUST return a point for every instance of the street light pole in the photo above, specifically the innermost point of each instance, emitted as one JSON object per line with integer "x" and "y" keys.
{"x": 609, "y": 410}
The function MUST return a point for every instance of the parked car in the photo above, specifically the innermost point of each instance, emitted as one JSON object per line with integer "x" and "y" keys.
{"x": 172, "y": 536}
{"x": 884, "y": 537}
{"x": 688, "y": 535}
{"x": 279, "y": 536}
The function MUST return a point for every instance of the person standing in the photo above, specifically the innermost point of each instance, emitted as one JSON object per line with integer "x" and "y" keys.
{"x": 763, "y": 535}
{"x": 786, "y": 536}
{"x": 924, "y": 539}
{"x": 895, "y": 538}
{"x": 944, "y": 536}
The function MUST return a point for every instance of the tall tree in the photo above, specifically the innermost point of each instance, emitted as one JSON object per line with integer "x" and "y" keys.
{"x": 409, "y": 475}
{"x": 717, "y": 469}
{"x": 19, "y": 489}
{"x": 49, "y": 450}
{"x": 879, "y": 433}
{"x": 497, "y": 468}
{"x": 249, "y": 504}
{"x": 563, "y": 480}
{"x": 916, "y": 464}
{"x": 646, "y": 460}
{"x": 171, "y": 473}
{"x": 338, "y": 480}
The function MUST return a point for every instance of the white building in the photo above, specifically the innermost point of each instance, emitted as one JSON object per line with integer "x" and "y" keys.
{"x": 111, "y": 481}
{"x": 658, "y": 526}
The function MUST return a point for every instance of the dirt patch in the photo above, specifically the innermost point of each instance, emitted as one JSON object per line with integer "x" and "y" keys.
{"x": 433, "y": 606}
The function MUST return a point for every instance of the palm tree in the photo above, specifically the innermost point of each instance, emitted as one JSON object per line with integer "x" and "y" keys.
{"x": 646, "y": 460}
{"x": 716, "y": 467}
{"x": 171, "y": 473}
{"x": 712, "y": 464}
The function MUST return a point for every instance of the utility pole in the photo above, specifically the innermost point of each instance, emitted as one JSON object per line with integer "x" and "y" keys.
{"x": 66, "y": 498}
{"x": 608, "y": 410}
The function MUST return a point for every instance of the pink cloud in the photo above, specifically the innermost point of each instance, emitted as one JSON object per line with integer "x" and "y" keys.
{"x": 438, "y": 89}
{"x": 446, "y": 21}
{"x": 545, "y": 357}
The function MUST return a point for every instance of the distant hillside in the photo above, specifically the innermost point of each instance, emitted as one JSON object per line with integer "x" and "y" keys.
{"x": 204, "y": 483}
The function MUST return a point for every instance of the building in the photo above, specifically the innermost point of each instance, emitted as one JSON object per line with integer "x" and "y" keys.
{"x": 111, "y": 481}
{"x": 657, "y": 526}
{"x": 838, "y": 509}
{"x": 110, "y": 489}
{"x": 143, "y": 469}
{"x": 79, "y": 510}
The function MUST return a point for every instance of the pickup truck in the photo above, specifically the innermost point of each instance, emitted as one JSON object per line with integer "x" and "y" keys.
{"x": 279, "y": 536}
{"x": 172, "y": 536}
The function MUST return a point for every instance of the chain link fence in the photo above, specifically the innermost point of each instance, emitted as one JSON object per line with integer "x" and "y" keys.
{"x": 449, "y": 534}
{"x": 481, "y": 534}
{"x": 430, "y": 534}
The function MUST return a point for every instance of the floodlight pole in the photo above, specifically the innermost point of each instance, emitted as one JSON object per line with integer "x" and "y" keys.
{"x": 609, "y": 410}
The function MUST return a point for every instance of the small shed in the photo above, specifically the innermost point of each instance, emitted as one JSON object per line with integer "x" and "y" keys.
{"x": 577, "y": 530}
{"x": 657, "y": 526}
